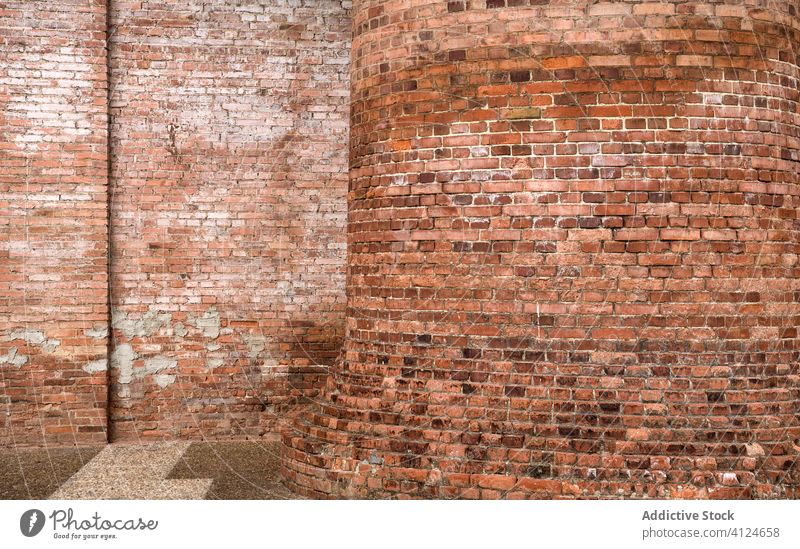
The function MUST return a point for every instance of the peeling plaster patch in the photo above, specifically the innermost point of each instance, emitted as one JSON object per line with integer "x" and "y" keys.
{"x": 730, "y": 478}
{"x": 208, "y": 324}
{"x": 98, "y": 331}
{"x": 34, "y": 337}
{"x": 100, "y": 365}
{"x": 214, "y": 363}
{"x": 149, "y": 324}
{"x": 257, "y": 347}
{"x": 50, "y": 345}
{"x": 120, "y": 322}
{"x": 255, "y": 344}
{"x": 179, "y": 330}
{"x": 213, "y": 347}
{"x": 163, "y": 380}
{"x": 155, "y": 365}
{"x": 122, "y": 359}
{"x": 13, "y": 358}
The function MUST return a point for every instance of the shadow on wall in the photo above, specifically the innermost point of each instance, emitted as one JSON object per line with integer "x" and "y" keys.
{"x": 228, "y": 212}
{"x": 207, "y": 376}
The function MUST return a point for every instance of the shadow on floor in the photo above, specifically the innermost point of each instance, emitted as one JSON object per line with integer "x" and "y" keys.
{"x": 35, "y": 473}
{"x": 241, "y": 470}
{"x": 237, "y": 470}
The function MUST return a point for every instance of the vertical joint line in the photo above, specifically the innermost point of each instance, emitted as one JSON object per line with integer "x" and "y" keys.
{"x": 109, "y": 255}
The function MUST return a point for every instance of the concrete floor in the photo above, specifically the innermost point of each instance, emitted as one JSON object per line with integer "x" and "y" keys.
{"x": 166, "y": 470}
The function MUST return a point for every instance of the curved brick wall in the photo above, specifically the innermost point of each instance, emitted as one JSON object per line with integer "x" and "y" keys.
{"x": 573, "y": 258}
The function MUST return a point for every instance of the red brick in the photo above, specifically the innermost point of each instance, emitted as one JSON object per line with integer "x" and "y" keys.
{"x": 630, "y": 275}
{"x": 571, "y": 261}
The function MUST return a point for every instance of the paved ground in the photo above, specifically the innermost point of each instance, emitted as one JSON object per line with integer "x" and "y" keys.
{"x": 167, "y": 470}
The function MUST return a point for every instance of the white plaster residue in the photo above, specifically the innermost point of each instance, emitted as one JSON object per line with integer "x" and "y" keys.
{"x": 34, "y": 337}
{"x": 98, "y": 331}
{"x": 100, "y": 365}
{"x": 60, "y": 110}
{"x": 268, "y": 365}
{"x": 122, "y": 359}
{"x": 156, "y": 364}
{"x": 255, "y": 344}
{"x": 179, "y": 330}
{"x": 50, "y": 345}
{"x": 13, "y": 358}
{"x": 164, "y": 380}
{"x": 208, "y": 324}
{"x": 150, "y": 323}
{"x": 48, "y": 252}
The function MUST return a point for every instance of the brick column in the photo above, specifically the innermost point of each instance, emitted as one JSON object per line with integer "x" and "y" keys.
{"x": 573, "y": 265}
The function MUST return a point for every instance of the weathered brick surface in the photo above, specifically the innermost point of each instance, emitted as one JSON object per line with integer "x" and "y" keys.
{"x": 229, "y": 174}
{"x": 573, "y": 267}
{"x": 573, "y": 239}
{"x": 228, "y": 138}
{"x": 53, "y": 230}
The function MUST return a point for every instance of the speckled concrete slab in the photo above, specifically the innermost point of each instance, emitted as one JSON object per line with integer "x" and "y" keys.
{"x": 133, "y": 472}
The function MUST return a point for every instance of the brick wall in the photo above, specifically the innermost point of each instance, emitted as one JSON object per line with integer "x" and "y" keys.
{"x": 572, "y": 230}
{"x": 228, "y": 145}
{"x": 228, "y": 181}
{"x": 53, "y": 229}
{"x": 573, "y": 240}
